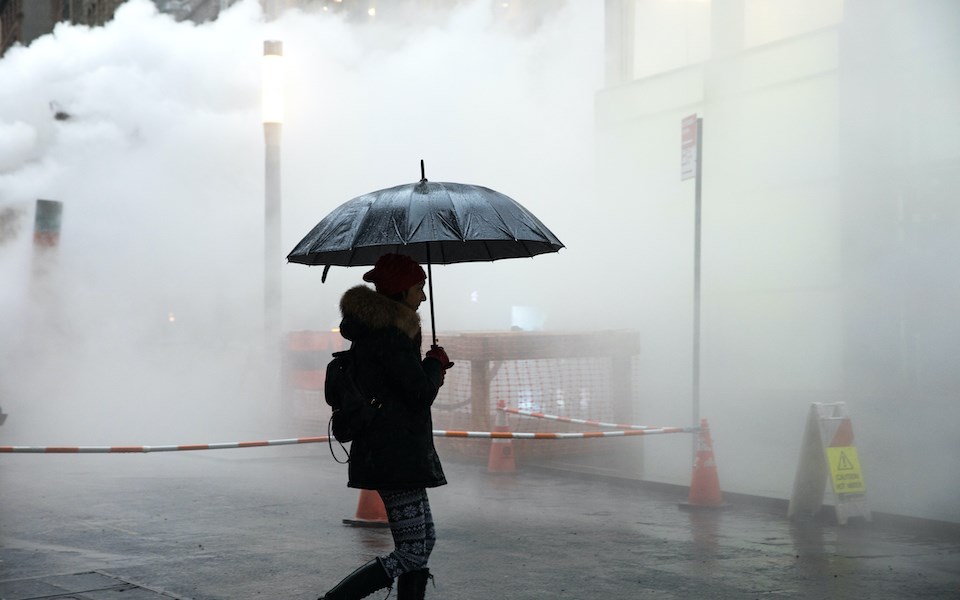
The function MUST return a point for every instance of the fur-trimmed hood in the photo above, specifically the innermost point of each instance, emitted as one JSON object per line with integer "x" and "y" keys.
{"x": 371, "y": 310}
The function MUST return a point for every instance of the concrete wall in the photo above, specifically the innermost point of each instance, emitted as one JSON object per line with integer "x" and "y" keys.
{"x": 806, "y": 130}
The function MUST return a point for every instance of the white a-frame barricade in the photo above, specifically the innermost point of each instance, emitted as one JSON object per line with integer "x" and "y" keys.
{"x": 828, "y": 452}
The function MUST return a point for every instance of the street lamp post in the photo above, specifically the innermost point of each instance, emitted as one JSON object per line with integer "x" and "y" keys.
{"x": 272, "y": 106}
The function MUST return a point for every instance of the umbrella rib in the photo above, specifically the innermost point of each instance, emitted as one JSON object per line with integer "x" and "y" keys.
{"x": 457, "y": 225}
{"x": 503, "y": 222}
{"x": 360, "y": 227}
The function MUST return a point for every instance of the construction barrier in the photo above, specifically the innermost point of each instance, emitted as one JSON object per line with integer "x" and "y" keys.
{"x": 538, "y": 415}
{"x": 828, "y": 453}
{"x": 502, "y": 435}
{"x": 501, "y": 458}
{"x": 370, "y": 511}
{"x": 304, "y": 366}
{"x": 506, "y": 435}
{"x": 705, "y": 482}
{"x": 167, "y": 448}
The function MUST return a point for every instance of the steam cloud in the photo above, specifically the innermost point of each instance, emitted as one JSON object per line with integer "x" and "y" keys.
{"x": 148, "y": 327}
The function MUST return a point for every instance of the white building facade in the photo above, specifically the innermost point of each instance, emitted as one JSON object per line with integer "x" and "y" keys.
{"x": 831, "y": 261}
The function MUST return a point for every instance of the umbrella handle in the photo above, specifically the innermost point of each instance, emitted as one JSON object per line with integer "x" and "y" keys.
{"x": 433, "y": 324}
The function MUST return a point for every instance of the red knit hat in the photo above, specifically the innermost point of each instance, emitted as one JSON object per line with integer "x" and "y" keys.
{"x": 395, "y": 273}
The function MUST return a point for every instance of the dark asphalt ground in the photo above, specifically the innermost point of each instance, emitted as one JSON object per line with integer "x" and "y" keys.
{"x": 266, "y": 523}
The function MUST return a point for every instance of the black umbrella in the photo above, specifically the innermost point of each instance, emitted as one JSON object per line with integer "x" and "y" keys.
{"x": 431, "y": 222}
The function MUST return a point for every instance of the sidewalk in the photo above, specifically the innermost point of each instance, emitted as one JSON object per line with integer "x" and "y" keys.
{"x": 95, "y": 586}
{"x": 266, "y": 523}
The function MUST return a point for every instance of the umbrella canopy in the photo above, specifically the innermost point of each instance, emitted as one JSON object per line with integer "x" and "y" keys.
{"x": 431, "y": 222}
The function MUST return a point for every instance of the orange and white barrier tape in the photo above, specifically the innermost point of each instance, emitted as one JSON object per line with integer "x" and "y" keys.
{"x": 506, "y": 435}
{"x": 500, "y": 435}
{"x": 170, "y": 448}
{"x": 539, "y": 415}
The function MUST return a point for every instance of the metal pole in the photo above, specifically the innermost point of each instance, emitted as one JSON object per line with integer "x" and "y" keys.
{"x": 272, "y": 252}
{"x": 272, "y": 255}
{"x": 433, "y": 322}
{"x": 696, "y": 280}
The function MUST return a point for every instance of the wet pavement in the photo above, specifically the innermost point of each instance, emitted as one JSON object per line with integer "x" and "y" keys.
{"x": 266, "y": 523}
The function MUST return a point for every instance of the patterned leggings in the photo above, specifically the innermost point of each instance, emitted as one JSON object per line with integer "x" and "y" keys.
{"x": 412, "y": 527}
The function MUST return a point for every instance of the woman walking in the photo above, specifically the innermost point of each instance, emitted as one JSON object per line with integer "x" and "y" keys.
{"x": 394, "y": 454}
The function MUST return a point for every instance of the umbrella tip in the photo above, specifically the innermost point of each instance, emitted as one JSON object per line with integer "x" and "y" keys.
{"x": 423, "y": 173}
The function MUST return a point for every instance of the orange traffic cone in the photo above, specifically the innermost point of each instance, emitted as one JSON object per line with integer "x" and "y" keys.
{"x": 501, "y": 459}
{"x": 705, "y": 483}
{"x": 370, "y": 511}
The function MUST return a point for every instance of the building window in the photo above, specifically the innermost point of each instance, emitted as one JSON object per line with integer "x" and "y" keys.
{"x": 669, "y": 34}
{"x": 766, "y": 21}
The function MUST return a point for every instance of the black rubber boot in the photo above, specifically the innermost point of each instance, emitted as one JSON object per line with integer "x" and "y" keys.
{"x": 413, "y": 585}
{"x": 361, "y": 583}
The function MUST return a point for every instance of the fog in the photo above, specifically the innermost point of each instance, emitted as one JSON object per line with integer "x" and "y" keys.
{"x": 146, "y": 326}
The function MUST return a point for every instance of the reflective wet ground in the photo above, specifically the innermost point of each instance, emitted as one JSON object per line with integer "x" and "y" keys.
{"x": 266, "y": 523}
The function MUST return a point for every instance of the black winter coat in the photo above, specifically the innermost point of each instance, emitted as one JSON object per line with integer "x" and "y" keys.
{"x": 396, "y": 450}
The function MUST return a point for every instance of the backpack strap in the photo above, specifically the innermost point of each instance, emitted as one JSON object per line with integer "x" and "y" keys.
{"x": 330, "y": 439}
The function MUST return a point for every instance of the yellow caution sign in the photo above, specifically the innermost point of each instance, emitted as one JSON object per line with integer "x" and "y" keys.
{"x": 845, "y": 470}
{"x": 828, "y": 452}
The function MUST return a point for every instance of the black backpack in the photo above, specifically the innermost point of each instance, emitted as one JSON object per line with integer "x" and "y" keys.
{"x": 353, "y": 409}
